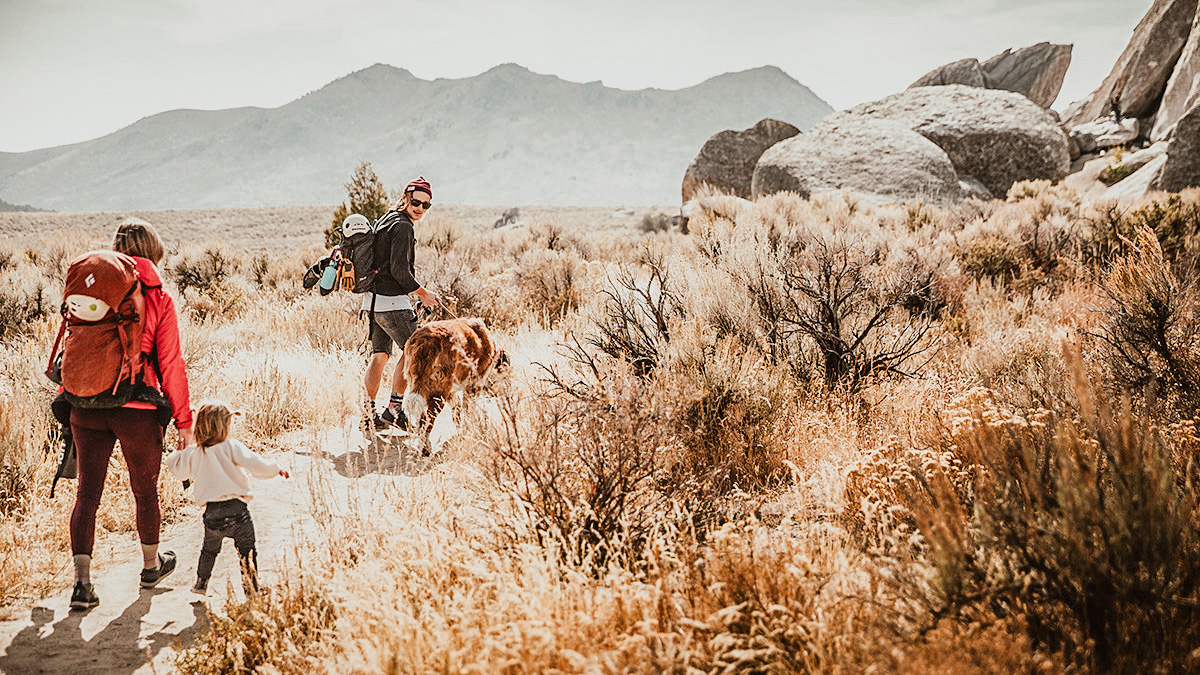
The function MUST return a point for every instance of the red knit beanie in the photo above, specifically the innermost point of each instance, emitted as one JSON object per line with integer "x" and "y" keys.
{"x": 419, "y": 184}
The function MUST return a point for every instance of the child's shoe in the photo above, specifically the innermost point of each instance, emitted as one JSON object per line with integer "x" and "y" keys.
{"x": 200, "y": 587}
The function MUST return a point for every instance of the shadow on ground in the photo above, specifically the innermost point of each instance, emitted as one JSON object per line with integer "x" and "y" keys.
{"x": 389, "y": 454}
{"x": 46, "y": 646}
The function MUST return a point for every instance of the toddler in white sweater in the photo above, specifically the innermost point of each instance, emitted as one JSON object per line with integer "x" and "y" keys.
{"x": 215, "y": 466}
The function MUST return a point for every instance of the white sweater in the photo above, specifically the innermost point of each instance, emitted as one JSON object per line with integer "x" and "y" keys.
{"x": 216, "y": 472}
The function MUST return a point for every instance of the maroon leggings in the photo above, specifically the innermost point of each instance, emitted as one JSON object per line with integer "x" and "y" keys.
{"x": 141, "y": 437}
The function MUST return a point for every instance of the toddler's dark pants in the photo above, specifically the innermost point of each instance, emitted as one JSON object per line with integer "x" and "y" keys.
{"x": 229, "y": 518}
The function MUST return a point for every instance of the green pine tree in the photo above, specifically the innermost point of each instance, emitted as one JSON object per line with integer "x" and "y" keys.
{"x": 366, "y": 195}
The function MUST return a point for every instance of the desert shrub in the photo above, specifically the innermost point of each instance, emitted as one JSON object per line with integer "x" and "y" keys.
{"x": 1115, "y": 173}
{"x": 203, "y": 267}
{"x": 365, "y": 196}
{"x": 729, "y": 406}
{"x": 580, "y": 459}
{"x": 852, "y": 307}
{"x": 844, "y": 295}
{"x": 992, "y": 256}
{"x": 56, "y": 253}
{"x": 1152, "y": 320}
{"x": 655, "y": 222}
{"x": 274, "y": 630}
{"x": 226, "y": 299}
{"x": 634, "y": 317}
{"x": 549, "y": 283}
{"x": 281, "y": 275}
{"x": 468, "y": 290}
{"x": 918, "y": 215}
{"x": 1175, "y": 220}
{"x": 1080, "y": 525}
{"x": 274, "y": 399}
{"x": 24, "y": 298}
{"x": 17, "y": 463}
{"x": 439, "y": 233}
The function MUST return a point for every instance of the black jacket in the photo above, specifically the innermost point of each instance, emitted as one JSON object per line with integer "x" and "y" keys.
{"x": 395, "y": 254}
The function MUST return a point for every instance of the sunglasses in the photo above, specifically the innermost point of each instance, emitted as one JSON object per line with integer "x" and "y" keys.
{"x": 417, "y": 202}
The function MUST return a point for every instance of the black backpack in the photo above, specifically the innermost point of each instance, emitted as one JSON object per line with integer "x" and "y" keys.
{"x": 356, "y": 270}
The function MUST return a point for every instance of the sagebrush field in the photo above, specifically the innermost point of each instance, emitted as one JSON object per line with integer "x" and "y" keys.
{"x": 814, "y": 437}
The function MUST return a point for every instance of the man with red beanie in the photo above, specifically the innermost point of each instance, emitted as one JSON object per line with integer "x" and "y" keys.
{"x": 388, "y": 308}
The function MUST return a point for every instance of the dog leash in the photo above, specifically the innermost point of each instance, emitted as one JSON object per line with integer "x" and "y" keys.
{"x": 447, "y": 309}
{"x": 443, "y": 306}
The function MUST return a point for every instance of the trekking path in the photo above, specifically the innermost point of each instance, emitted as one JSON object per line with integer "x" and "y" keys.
{"x": 135, "y": 630}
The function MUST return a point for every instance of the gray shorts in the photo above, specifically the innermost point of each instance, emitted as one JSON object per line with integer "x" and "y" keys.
{"x": 391, "y": 327}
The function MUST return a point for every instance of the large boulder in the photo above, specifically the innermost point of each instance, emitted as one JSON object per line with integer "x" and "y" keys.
{"x": 727, "y": 160}
{"x": 877, "y": 160}
{"x": 1141, "y": 72}
{"x": 1183, "y": 89}
{"x": 998, "y": 137}
{"x": 965, "y": 72}
{"x": 1182, "y": 166}
{"x": 1036, "y": 71}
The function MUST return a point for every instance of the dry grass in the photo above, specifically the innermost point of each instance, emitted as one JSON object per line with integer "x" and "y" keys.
{"x": 678, "y": 478}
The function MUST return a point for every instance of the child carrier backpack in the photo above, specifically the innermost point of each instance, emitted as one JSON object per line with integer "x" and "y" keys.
{"x": 100, "y": 364}
{"x": 355, "y": 256}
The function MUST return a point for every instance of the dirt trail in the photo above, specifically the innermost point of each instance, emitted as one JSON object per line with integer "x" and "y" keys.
{"x": 136, "y": 631}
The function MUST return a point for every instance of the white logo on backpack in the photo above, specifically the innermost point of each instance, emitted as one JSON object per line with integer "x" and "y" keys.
{"x": 91, "y": 279}
{"x": 88, "y": 309}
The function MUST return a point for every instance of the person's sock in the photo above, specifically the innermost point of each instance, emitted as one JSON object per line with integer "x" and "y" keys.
{"x": 83, "y": 568}
{"x": 396, "y": 400}
{"x": 369, "y": 406}
{"x": 149, "y": 556}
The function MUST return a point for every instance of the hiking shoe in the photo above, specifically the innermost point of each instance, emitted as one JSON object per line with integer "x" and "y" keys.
{"x": 166, "y": 565}
{"x": 200, "y": 587}
{"x": 394, "y": 416}
{"x": 84, "y": 596}
{"x": 369, "y": 421}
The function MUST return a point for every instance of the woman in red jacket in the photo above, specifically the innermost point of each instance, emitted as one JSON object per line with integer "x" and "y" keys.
{"x": 138, "y": 425}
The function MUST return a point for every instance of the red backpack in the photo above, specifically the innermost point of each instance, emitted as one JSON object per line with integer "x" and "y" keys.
{"x": 104, "y": 315}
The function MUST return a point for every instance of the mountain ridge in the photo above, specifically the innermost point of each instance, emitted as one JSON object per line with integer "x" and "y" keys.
{"x": 506, "y": 136}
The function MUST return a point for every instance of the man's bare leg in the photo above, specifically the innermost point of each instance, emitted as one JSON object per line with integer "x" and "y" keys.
{"x": 374, "y": 374}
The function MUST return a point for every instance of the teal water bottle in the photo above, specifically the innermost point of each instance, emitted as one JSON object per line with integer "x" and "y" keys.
{"x": 328, "y": 277}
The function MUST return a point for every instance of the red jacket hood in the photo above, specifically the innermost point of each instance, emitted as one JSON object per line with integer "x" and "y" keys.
{"x": 147, "y": 272}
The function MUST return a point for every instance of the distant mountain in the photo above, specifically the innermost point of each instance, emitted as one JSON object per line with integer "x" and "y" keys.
{"x": 507, "y": 136}
{"x": 5, "y": 206}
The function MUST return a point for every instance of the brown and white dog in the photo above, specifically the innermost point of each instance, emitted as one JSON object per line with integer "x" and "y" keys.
{"x": 443, "y": 358}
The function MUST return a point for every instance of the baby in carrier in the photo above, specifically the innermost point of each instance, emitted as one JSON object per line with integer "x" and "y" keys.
{"x": 217, "y": 465}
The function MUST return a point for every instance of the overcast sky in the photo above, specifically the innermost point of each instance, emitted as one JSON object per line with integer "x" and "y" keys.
{"x": 72, "y": 70}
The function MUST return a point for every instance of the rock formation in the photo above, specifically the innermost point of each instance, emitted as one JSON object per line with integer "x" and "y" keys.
{"x": 1036, "y": 71}
{"x": 1151, "y": 96}
{"x": 1183, "y": 89}
{"x": 965, "y": 72}
{"x": 727, "y": 160}
{"x": 997, "y": 137}
{"x": 875, "y": 159}
{"x": 1143, "y": 69}
{"x": 1181, "y": 169}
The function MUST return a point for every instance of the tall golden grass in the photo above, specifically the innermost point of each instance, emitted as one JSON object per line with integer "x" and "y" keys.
{"x": 818, "y": 437}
